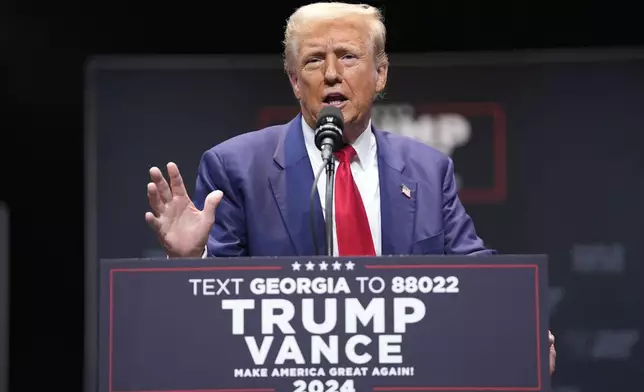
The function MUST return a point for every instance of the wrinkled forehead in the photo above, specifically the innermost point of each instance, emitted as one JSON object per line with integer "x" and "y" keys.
{"x": 329, "y": 35}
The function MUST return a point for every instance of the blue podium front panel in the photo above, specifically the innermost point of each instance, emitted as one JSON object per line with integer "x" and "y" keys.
{"x": 435, "y": 323}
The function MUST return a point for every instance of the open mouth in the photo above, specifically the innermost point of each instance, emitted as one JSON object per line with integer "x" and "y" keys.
{"x": 335, "y": 99}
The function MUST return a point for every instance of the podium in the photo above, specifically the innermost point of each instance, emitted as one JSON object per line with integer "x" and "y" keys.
{"x": 319, "y": 324}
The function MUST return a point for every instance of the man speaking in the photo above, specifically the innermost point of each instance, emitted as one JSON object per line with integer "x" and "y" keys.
{"x": 393, "y": 195}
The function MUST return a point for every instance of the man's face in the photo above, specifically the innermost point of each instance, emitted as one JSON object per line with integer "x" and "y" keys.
{"x": 335, "y": 65}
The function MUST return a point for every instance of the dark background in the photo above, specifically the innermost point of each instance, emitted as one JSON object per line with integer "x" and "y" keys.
{"x": 44, "y": 49}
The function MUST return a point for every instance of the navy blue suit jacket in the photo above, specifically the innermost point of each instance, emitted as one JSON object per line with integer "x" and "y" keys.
{"x": 266, "y": 178}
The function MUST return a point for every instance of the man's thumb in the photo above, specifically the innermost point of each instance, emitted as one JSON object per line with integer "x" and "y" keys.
{"x": 211, "y": 203}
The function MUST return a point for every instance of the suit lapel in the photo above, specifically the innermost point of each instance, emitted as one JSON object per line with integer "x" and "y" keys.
{"x": 291, "y": 183}
{"x": 398, "y": 196}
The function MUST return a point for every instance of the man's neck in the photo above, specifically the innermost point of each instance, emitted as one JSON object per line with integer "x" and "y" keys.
{"x": 352, "y": 131}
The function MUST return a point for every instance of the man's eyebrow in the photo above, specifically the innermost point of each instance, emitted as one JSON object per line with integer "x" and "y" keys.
{"x": 320, "y": 49}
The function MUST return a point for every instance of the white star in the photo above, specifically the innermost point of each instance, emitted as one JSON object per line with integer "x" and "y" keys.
{"x": 296, "y": 266}
{"x": 349, "y": 265}
{"x": 337, "y": 266}
{"x": 323, "y": 266}
{"x": 310, "y": 266}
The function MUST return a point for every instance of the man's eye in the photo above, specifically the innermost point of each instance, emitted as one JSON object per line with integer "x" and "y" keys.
{"x": 349, "y": 56}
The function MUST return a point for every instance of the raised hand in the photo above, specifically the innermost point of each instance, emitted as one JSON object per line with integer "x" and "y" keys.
{"x": 182, "y": 229}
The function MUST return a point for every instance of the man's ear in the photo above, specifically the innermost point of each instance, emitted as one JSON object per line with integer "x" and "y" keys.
{"x": 381, "y": 77}
{"x": 292, "y": 77}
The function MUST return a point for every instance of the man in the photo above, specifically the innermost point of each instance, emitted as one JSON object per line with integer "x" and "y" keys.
{"x": 393, "y": 195}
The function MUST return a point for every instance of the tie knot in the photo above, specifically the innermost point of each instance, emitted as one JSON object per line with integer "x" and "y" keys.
{"x": 346, "y": 154}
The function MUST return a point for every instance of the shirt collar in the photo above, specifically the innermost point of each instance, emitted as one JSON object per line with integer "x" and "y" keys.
{"x": 365, "y": 144}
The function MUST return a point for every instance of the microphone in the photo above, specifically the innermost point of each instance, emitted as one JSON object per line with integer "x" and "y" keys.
{"x": 328, "y": 131}
{"x": 328, "y": 139}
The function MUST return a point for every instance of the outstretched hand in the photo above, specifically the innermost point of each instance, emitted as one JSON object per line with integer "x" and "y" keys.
{"x": 181, "y": 227}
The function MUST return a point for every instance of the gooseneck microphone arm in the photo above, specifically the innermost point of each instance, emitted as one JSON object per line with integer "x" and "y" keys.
{"x": 328, "y": 202}
{"x": 312, "y": 208}
{"x": 328, "y": 139}
{"x": 329, "y": 165}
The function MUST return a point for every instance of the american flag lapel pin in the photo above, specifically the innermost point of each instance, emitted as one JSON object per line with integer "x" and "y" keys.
{"x": 405, "y": 191}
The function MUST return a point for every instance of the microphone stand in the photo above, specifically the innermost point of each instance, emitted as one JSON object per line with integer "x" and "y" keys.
{"x": 330, "y": 177}
{"x": 328, "y": 163}
{"x": 328, "y": 136}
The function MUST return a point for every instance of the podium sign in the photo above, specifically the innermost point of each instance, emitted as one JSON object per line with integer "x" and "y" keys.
{"x": 434, "y": 323}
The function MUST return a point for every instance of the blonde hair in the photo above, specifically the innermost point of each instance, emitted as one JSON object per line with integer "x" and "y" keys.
{"x": 322, "y": 11}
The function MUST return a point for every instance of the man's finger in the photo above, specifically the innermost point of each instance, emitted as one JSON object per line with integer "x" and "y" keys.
{"x": 153, "y": 222}
{"x": 212, "y": 201}
{"x": 553, "y": 359}
{"x": 155, "y": 199}
{"x": 176, "y": 182}
{"x": 161, "y": 183}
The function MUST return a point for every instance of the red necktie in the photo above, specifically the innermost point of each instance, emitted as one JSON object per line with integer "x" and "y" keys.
{"x": 352, "y": 225}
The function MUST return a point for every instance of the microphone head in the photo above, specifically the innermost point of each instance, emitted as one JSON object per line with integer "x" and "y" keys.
{"x": 330, "y": 115}
{"x": 329, "y": 127}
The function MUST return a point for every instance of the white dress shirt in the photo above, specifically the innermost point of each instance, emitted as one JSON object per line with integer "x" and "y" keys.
{"x": 365, "y": 174}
